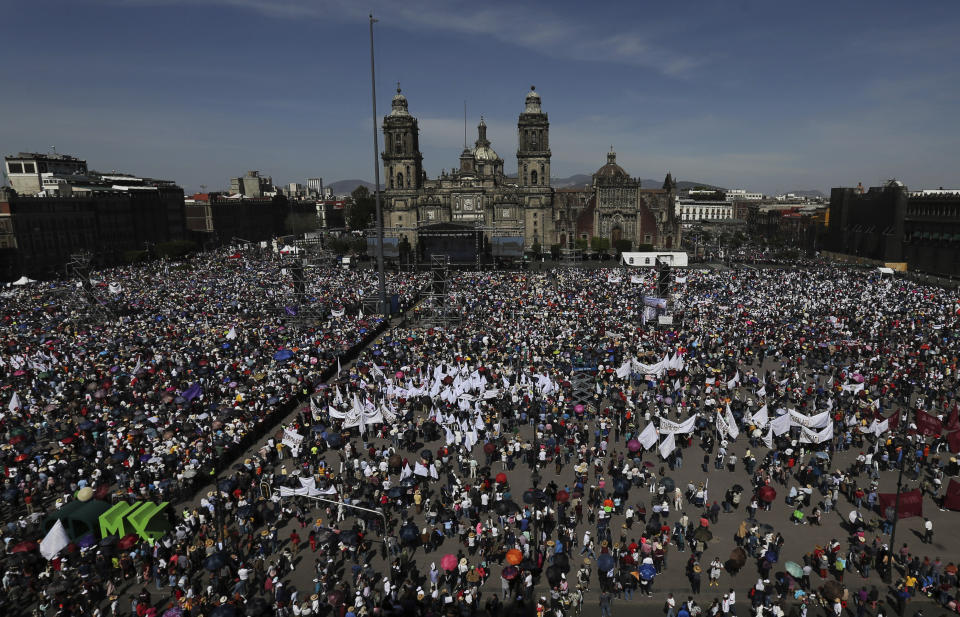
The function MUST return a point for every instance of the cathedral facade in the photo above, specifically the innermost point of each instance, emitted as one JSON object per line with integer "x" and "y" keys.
{"x": 478, "y": 194}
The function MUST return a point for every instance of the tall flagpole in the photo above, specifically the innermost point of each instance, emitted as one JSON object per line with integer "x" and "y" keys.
{"x": 384, "y": 309}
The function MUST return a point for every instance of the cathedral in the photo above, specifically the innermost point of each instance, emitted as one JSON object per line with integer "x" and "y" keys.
{"x": 479, "y": 195}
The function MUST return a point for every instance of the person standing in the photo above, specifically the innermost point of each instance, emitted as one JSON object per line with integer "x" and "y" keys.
{"x": 670, "y": 607}
{"x": 605, "y": 601}
{"x": 927, "y": 531}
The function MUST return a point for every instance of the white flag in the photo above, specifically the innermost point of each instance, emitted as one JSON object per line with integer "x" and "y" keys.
{"x": 768, "y": 438}
{"x": 55, "y": 541}
{"x": 732, "y": 424}
{"x": 668, "y": 446}
{"x": 232, "y": 334}
{"x": 761, "y": 418}
{"x": 648, "y": 437}
{"x": 14, "y": 402}
{"x": 762, "y": 391}
{"x": 338, "y": 366}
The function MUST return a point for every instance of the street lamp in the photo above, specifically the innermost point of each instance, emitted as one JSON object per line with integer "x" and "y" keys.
{"x": 888, "y": 572}
{"x": 376, "y": 175}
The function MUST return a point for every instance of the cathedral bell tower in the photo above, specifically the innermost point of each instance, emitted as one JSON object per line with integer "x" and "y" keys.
{"x": 402, "y": 161}
{"x": 533, "y": 150}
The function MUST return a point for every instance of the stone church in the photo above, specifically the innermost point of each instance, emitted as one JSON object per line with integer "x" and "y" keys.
{"x": 479, "y": 194}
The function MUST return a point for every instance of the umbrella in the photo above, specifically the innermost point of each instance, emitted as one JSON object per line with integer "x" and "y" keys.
{"x": 767, "y": 493}
{"x": 257, "y": 607}
{"x": 563, "y": 496}
{"x": 409, "y": 534}
{"x": 24, "y": 547}
{"x": 562, "y": 561}
{"x": 793, "y": 569}
{"x": 283, "y": 354}
{"x": 702, "y": 534}
{"x": 510, "y": 573}
{"x": 634, "y": 446}
{"x": 533, "y": 494}
{"x": 214, "y": 562}
{"x": 86, "y": 541}
{"x": 553, "y": 575}
{"x": 831, "y": 590}
{"x": 128, "y": 541}
{"x": 821, "y": 455}
{"x": 647, "y": 572}
{"x": 514, "y": 556}
{"x": 854, "y": 516}
{"x": 501, "y": 478}
{"x": 489, "y": 448}
{"x": 176, "y": 611}
{"x": 85, "y": 494}
{"x": 736, "y": 488}
{"x": 621, "y": 486}
{"x": 224, "y": 610}
{"x": 668, "y": 484}
{"x": 449, "y": 562}
{"x": 771, "y": 556}
{"x": 506, "y": 507}
{"x": 528, "y": 564}
{"x": 605, "y": 562}
{"x": 738, "y": 557}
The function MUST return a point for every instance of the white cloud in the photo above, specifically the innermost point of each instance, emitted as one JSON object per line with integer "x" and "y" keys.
{"x": 541, "y": 31}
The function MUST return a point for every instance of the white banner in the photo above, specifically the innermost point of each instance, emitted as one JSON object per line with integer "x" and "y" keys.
{"x": 818, "y": 421}
{"x": 337, "y": 312}
{"x": 687, "y": 426}
{"x": 821, "y": 436}
{"x": 636, "y": 280}
{"x": 291, "y": 439}
{"x": 780, "y": 424}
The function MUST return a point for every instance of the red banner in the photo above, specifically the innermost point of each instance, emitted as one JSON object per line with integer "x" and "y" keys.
{"x": 951, "y": 500}
{"x": 927, "y": 424}
{"x": 953, "y": 422}
{"x": 911, "y": 503}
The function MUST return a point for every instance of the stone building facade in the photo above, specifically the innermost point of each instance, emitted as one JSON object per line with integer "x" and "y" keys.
{"x": 478, "y": 193}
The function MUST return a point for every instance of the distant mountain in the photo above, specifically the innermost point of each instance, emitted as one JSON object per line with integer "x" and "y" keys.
{"x": 345, "y": 187}
{"x": 810, "y": 193}
{"x": 574, "y": 181}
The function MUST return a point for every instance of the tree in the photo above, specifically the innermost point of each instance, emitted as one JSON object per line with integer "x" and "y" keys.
{"x": 363, "y": 206}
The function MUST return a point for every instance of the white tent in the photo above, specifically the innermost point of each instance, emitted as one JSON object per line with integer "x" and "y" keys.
{"x": 885, "y": 271}
{"x": 23, "y": 280}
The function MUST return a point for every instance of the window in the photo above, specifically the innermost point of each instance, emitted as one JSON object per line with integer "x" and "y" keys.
{"x": 533, "y": 177}
{"x": 399, "y": 181}
{"x": 15, "y": 168}
{"x": 29, "y": 168}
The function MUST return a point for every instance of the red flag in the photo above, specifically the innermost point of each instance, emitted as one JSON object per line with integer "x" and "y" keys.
{"x": 953, "y": 440}
{"x": 951, "y": 500}
{"x": 927, "y": 424}
{"x": 911, "y": 503}
{"x": 953, "y": 422}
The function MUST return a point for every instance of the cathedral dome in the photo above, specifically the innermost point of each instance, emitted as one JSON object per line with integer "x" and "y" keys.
{"x": 399, "y": 104}
{"x": 611, "y": 169}
{"x": 533, "y": 102}
{"x": 482, "y": 150}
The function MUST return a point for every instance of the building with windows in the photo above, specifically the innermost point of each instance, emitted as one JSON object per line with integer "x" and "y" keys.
{"x": 479, "y": 194}
{"x": 28, "y": 171}
{"x": 690, "y": 210}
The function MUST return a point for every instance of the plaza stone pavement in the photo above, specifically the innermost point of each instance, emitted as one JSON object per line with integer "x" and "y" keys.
{"x": 799, "y": 539}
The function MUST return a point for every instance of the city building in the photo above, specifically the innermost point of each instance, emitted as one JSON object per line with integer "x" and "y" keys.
{"x": 252, "y": 185}
{"x": 690, "y": 210}
{"x": 742, "y": 195}
{"x": 66, "y": 208}
{"x": 890, "y": 224}
{"x": 479, "y": 195}
{"x": 28, "y": 171}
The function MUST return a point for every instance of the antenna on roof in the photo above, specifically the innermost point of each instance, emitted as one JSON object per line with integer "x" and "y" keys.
{"x": 464, "y": 124}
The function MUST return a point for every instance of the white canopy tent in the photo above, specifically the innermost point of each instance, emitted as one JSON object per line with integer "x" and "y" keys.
{"x": 23, "y": 280}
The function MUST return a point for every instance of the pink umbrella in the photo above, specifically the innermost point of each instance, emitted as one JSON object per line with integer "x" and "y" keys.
{"x": 578, "y": 408}
{"x": 449, "y": 562}
{"x": 633, "y": 445}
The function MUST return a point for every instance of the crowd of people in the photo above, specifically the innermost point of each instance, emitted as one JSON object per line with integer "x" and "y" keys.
{"x": 527, "y": 456}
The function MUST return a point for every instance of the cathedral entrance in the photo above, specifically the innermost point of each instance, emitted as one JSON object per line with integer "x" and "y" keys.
{"x": 669, "y": 242}
{"x": 616, "y": 235}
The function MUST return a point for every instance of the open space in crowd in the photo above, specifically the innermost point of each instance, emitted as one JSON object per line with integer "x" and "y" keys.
{"x": 547, "y": 453}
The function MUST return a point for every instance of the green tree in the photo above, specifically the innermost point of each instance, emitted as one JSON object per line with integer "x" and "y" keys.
{"x": 599, "y": 244}
{"x": 362, "y": 208}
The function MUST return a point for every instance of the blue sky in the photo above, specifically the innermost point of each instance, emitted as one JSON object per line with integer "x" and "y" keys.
{"x": 762, "y": 95}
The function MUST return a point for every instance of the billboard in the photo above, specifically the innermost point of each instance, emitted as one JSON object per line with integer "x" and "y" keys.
{"x": 391, "y": 247}
{"x": 507, "y": 246}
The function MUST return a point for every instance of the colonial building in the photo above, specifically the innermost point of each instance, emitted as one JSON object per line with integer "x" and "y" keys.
{"x": 478, "y": 194}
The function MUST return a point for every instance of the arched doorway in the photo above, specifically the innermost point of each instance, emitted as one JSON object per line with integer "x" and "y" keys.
{"x": 669, "y": 242}
{"x": 563, "y": 240}
{"x": 616, "y": 235}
